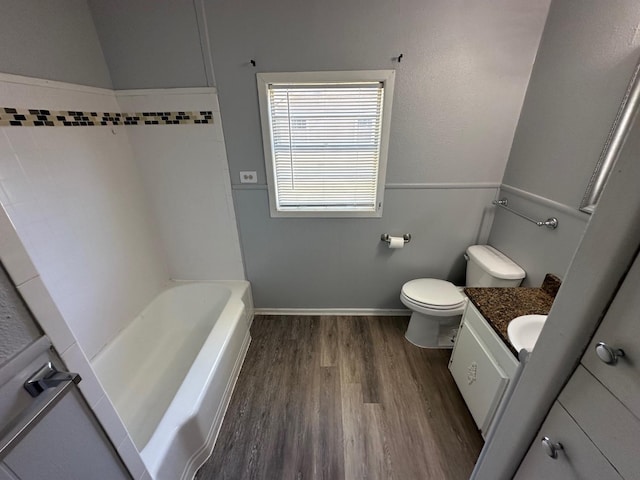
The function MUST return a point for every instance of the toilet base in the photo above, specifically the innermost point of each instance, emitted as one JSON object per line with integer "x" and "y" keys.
{"x": 428, "y": 331}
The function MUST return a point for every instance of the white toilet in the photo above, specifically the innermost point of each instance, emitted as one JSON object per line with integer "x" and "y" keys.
{"x": 437, "y": 305}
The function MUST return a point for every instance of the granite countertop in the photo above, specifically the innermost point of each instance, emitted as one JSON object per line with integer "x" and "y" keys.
{"x": 501, "y": 305}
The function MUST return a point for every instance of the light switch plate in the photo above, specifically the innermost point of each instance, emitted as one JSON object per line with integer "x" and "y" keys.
{"x": 248, "y": 177}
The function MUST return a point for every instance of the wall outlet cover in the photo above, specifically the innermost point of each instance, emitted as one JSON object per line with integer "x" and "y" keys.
{"x": 248, "y": 177}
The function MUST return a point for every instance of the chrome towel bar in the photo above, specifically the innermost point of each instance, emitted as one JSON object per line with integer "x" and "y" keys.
{"x": 551, "y": 222}
{"x": 21, "y": 425}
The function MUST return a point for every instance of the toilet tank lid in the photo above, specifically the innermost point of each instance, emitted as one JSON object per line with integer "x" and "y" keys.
{"x": 495, "y": 262}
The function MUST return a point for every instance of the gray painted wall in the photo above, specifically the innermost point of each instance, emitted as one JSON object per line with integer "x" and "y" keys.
{"x": 458, "y": 94}
{"x": 592, "y": 280}
{"x": 538, "y": 250}
{"x": 458, "y": 97}
{"x": 458, "y": 90}
{"x": 151, "y": 43}
{"x": 51, "y": 40}
{"x": 587, "y": 55}
{"x": 341, "y": 263}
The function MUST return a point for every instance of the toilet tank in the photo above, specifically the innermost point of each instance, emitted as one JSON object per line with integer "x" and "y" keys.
{"x": 488, "y": 267}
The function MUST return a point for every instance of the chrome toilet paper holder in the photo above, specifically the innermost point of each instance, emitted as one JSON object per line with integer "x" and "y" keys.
{"x": 385, "y": 237}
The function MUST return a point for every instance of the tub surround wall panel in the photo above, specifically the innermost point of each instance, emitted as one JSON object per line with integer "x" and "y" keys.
{"x": 341, "y": 263}
{"x": 53, "y": 40}
{"x": 186, "y": 178}
{"x": 14, "y": 257}
{"x": 75, "y": 198}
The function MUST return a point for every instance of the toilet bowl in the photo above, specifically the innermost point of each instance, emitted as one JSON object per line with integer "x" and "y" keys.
{"x": 437, "y": 305}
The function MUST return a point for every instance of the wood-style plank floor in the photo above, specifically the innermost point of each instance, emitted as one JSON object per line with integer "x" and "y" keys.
{"x": 343, "y": 398}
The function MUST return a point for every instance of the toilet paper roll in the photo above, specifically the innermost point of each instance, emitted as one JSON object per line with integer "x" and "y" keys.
{"x": 396, "y": 242}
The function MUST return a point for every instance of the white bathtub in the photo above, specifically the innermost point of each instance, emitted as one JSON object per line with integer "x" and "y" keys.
{"x": 171, "y": 372}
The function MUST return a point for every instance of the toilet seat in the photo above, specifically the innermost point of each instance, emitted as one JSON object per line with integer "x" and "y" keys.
{"x": 432, "y": 294}
{"x": 433, "y": 312}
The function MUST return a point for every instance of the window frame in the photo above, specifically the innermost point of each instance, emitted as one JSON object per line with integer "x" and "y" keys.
{"x": 265, "y": 79}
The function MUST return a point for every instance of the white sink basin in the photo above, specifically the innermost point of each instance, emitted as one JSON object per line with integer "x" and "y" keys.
{"x": 523, "y": 331}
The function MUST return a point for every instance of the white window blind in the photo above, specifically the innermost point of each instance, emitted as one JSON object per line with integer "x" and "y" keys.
{"x": 326, "y": 145}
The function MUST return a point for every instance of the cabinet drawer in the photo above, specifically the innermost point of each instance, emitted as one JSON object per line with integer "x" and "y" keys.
{"x": 480, "y": 379}
{"x": 500, "y": 352}
{"x": 607, "y": 422}
{"x": 579, "y": 459}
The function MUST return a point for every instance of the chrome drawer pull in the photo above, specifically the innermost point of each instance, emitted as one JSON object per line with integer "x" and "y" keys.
{"x": 607, "y": 354}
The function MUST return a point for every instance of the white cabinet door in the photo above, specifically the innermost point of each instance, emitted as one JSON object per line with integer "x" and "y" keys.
{"x": 620, "y": 329}
{"x": 578, "y": 460}
{"x": 487, "y": 335}
{"x": 479, "y": 378}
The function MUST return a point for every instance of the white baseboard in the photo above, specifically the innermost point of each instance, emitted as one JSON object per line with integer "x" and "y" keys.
{"x": 379, "y": 312}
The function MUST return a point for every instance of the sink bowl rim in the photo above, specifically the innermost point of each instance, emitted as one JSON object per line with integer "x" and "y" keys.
{"x": 516, "y": 325}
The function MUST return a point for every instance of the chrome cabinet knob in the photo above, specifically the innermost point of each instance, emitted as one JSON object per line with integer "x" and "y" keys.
{"x": 550, "y": 447}
{"x": 607, "y": 354}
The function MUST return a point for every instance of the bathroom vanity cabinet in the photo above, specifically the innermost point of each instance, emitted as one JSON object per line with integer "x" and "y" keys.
{"x": 482, "y": 367}
{"x": 592, "y": 431}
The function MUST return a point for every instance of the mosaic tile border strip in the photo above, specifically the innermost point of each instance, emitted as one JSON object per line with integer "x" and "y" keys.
{"x": 16, "y": 117}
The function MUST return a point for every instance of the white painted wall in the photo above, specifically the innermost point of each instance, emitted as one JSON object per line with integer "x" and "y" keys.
{"x": 186, "y": 178}
{"x": 75, "y": 198}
